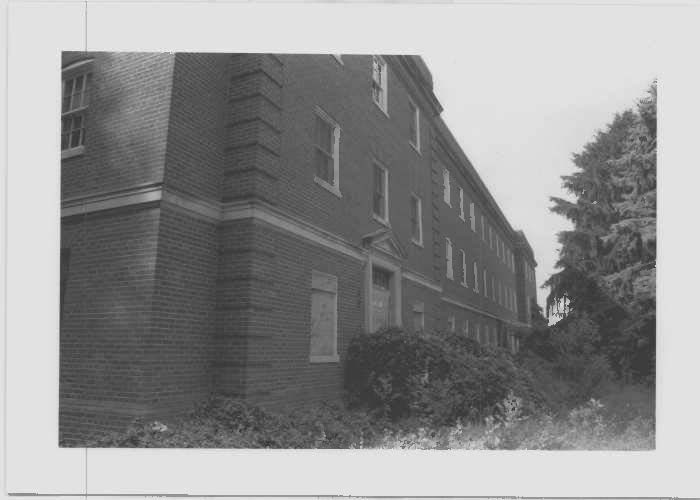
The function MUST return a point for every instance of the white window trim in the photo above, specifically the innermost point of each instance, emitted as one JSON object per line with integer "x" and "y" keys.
{"x": 449, "y": 263}
{"x": 485, "y": 290}
{"x": 69, "y": 72}
{"x": 319, "y": 281}
{"x": 452, "y": 323}
{"x": 384, "y": 106}
{"x": 418, "y": 242}
{"x": 461, "y": 203}
{"x": 446, "y": 187}
{"x": 476, "y": 277}
{"x": 465, "y": 328}
{"x": 377, "y": 217}
{"x": 464, "y": 268}
{"x": 416, "y": 122}
{"x": 483, "y": 228}
{"x": 472, "y": 217}
{"x": 335, "y": 187}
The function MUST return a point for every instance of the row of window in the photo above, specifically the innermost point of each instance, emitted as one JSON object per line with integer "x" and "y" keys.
{"x": 529, "y": 272}
{"x": 487, "y": 336}
{"x": 502, "y": 251}
{"x": 503, "y": 294}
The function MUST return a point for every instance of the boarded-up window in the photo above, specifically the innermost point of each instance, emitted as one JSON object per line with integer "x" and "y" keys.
{"x": 324, "y": 317}
{"x": 418, "y": 317}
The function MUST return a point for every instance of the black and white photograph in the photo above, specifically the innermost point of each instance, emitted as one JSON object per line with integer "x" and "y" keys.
{"x": 295, "y": 251}
{"x": 392, "y": 249}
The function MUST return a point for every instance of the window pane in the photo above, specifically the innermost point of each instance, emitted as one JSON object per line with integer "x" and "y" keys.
{"x": 324, "y": 166}
{"x": 324, "y": 136}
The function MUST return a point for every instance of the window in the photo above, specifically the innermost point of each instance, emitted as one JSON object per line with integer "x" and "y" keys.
{"x": 498, "y": 247}
{"x": 451, "y": 323}
{"x": 465, "y": 328}
{"x": 414, "y": 126}
{"x": 446, "y": 186}
{"x": 486, "y": 293}
{"x": 379, "y": 88}
{"x": 476, "y": 278}
{"x": 461, "y": 203}
{"x": 493, "y": 288}
{"x": 464, "y": 268}
{"x": 380, "y": 201}
{"x": 472, "y": 217}
{"x": 483, "y": 228}
{"x": 448, "y": 259}
{"x": 418, "y": 317}
{"x": 75, "y": 94}
{"x": 491, "y": 237}
{"x": 500, "y": 294}
{"x": 327, "y": 152}
{"x": 324, "y": 317}
{"x": 416, "y": 220}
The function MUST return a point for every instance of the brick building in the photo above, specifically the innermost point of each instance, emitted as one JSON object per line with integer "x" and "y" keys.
{"x": 230, "y": 221}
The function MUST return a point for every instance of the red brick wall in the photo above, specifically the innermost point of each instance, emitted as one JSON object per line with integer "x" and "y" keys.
{"x": 179, "y": 345}
{"x": 107, "y": 308}
{"x": 344, "y": 93}
{"x": 196, "y": 129}
{"x": 126, "y": 124}
{"x": 266, "y": 315}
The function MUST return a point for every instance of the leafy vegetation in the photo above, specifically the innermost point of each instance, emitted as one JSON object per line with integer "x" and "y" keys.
{"x": 436, "y": 392}
{"x": 436, "y": 378}
{"x": 607, "y": 261}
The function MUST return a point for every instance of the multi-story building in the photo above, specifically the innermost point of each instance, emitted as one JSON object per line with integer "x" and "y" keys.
{"x": 231, "y": 221}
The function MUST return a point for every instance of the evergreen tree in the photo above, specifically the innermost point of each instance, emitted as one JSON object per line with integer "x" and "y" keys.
{"x": 607, "y": 260}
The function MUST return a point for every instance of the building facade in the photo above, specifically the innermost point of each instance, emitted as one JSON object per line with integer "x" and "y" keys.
{"x": 230, "y": 221}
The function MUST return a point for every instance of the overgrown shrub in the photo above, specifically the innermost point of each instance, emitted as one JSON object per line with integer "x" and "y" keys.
{"x": 222, "y": 422}
{"x": 566, "y": 362}
{"x": 439, "y": 378}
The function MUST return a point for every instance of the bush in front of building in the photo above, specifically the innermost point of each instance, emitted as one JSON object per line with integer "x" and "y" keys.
{"x": 436, "y": 378}
{"x": 222, "y": 422}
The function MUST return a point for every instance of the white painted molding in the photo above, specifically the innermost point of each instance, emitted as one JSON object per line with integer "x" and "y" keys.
{"x": 481, "y": 311}
{"x": 96, "y": 203}
{"x": 422, "y": 280}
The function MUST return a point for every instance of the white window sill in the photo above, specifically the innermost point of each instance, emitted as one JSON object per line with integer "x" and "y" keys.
{"x": 416, "y": 148}
{"x": 464, "y": 284}
{"x": 461, "y": 216}
{"x": 451, "y": 278}
{"x": 448, "y": 203}
{"x": 417, "y": 243}
{"x": 384, "y": 222}
{"x": 329, "y": 187}
{"x": 324, "y": 359}
{"x": 386, "y": 112}
{"x": 70, "y": 153}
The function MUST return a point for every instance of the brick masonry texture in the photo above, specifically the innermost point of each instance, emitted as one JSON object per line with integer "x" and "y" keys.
{"x": 166, "y": 303}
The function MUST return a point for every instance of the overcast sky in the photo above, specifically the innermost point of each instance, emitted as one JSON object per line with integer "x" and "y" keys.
{"x": 522, "y": 107}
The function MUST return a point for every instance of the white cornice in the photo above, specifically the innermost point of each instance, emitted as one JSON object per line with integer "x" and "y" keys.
{"x": 223, "y": 212}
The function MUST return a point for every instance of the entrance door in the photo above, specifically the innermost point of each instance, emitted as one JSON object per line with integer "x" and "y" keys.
{"x": 381, "y": 299}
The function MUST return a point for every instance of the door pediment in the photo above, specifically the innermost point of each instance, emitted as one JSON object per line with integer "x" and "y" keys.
{"x": 386, "y": 242}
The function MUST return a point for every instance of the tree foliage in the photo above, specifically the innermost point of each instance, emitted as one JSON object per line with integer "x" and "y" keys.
{"x": 607, "y": 261}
